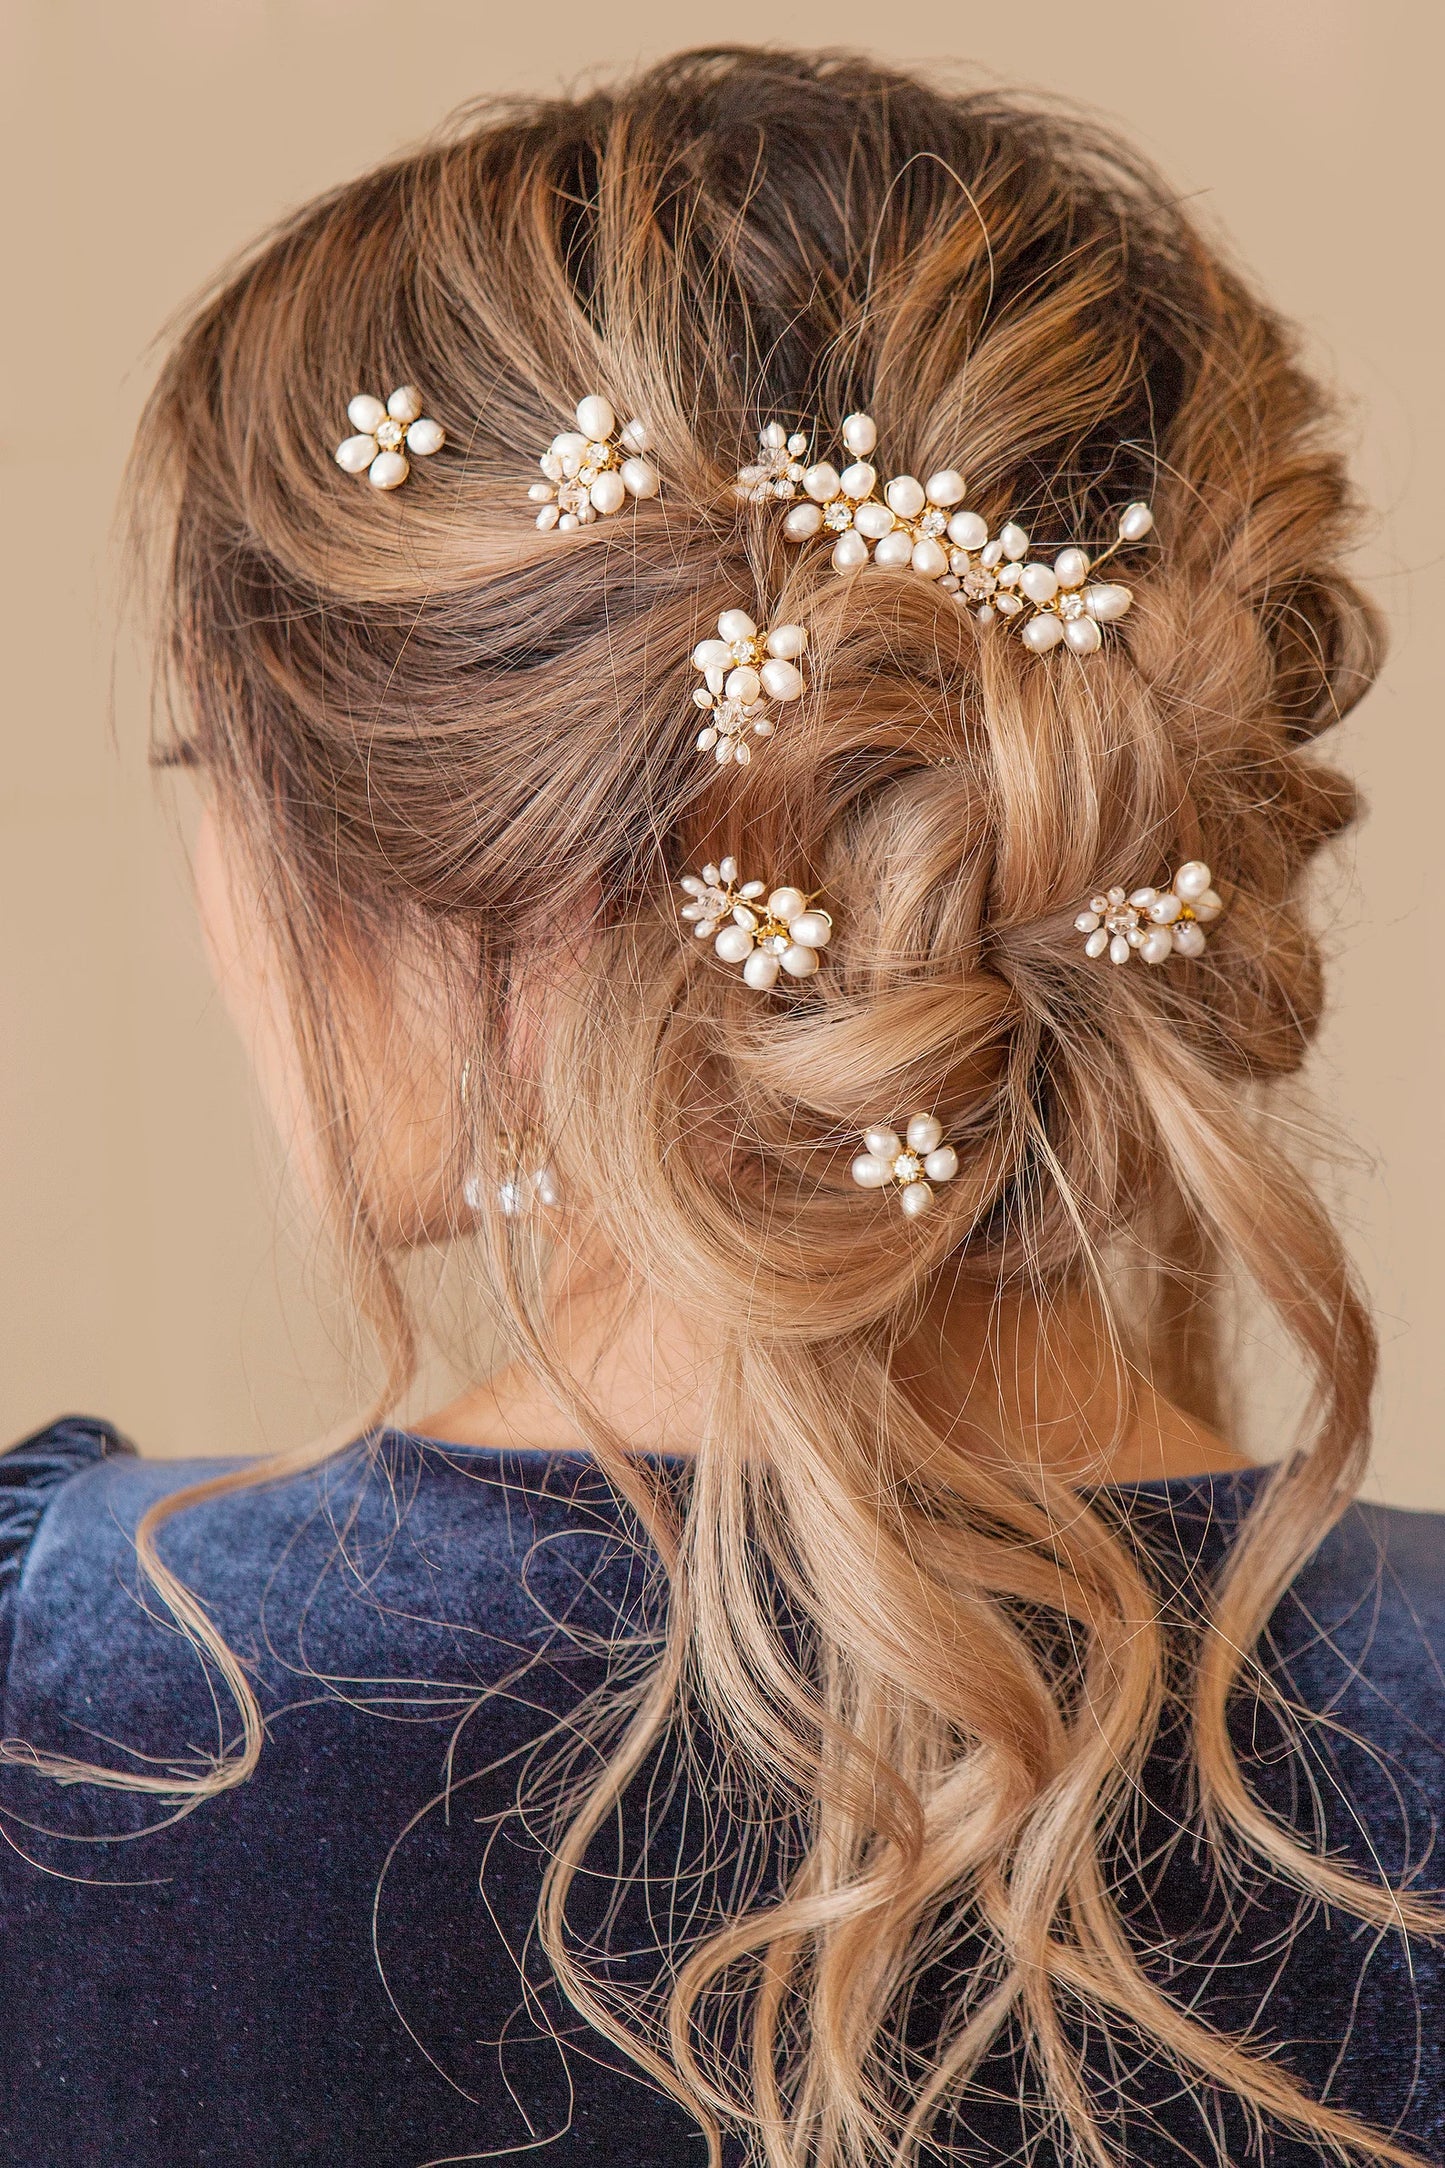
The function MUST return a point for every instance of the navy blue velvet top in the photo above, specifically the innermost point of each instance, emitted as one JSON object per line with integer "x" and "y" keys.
{"x": 333, "y": 1963}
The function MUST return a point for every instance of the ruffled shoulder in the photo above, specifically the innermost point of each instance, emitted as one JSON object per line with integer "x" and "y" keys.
{"x": 30, "y": 1475}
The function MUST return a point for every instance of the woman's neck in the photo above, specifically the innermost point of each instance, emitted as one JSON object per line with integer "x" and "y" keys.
{"x": 1056, "y": 1391}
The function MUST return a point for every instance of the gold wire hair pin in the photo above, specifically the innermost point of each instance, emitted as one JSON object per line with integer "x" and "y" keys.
{"x": 923, "y": 526}
{"x": 745, "y": 673}
{"x": 766, "y": 932}
{"x": 1154, "y": 923}
{"x": 590, "y": 472}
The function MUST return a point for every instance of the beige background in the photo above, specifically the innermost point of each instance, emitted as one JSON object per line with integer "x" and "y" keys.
{"x": 149, "y": 1270}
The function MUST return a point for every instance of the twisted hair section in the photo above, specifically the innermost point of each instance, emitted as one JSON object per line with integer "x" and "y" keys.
{"x": 930, "y": 1668}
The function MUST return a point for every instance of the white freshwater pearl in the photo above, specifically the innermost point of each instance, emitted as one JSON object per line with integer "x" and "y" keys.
{"x": 1086, "y": 922}
{"x": 773, "y": 436}
{"x": 857, "y": 481}
{"x": 929, "y": 558}
{"x": 761, "y": 970}
{"x": 1041, "y": 633}
{"x": 404, "y": 405}
{"x": 941, "y": 1164}
{"x": 1165, "y": 909}
{"x": 781, "y": 680}
{"x": 1119, "y": 950}
{"x": 1141, "y": 898}
{"x": 634, "y": 437}
{"x": 945, "y": 488}
{"x": 388, "y": 470}
{"x": 1011, "y": 606}
{"x": 1188, "y": 938}
{"x": 905, "y": 496}
{"x": 1208, "y": 906}
{"x": 822, "y": 482}
{"x": 895, "y": 548}
{"x": 967, "y": 531}
{"x": 1107, "y": 601}
{"x": 800, "y": 962}
{"x": 569, "y": 445}
{"x": 925, "y": 1133}
{"x": 1157, "y": 944}
{"x": 736, "y": 625}
{"x": 787, "y": 641}
{"x": 743, "y": 684}
{"x": 357, "y": 453}
{"x": 1083, "y": 635}
{"x": 849, "y": 552}
{"x": 640, "y": 478}
{"x": 869, "y": 1172}
{"x": 860, "y": 434}
{"x": 1097, "y": 942}
{"x": 712, "y": 655}
{"x": 787, "y": 904}
{"x": 1071, "y": 568}
{"x": 1192, "y": 879}
{"x": 425, "y": 437}
{"x": 595, "y": 417}
{"x": 366, "y": 413}
{"x": 801, "y": 521}
{"x": 549, "y": 516}
{"x": 1015, "y": 542}
{"x": 1135, "y": 522}
{"x": 1039, "y": 582}
{"x": 734, "y": 944}
{"x": 915, "y": 1197}
{"x": 883, "y": 1143}
{"x": 541, "y": 493}
{"x": 811, "y": 929}
{"x": 873, "y": 520}
{"x": 608, "y": 493}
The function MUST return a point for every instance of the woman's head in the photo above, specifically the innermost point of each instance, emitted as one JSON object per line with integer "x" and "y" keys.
{"x": 454, "y": 758}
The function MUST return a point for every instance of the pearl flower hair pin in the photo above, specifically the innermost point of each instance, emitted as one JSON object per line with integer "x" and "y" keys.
{"x": 1155, "y": 923}
{"x": 766, "y": 934}
{"x": 923, "y": 527}
{"x": 385, "y": 435}
{"x": 912, "y": 1163}
{"x": 592, "y": 470}
{"x": 742, "y": 672}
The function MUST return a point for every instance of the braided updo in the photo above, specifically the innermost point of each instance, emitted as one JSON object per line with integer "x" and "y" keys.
{"x": 425, "y": 718}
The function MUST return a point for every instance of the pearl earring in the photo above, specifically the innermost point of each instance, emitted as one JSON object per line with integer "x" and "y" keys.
{"x": 743, "y": 671}
{"x": 923, "y": 527}
{"x": 592, "y": 470}
{"x": 516, "y": 1193}
{"x": 767, "y": 935}
{"x": 913, "y": 1163}
{"x": 385, "y": 435}
{"x": 1154, "y": 922}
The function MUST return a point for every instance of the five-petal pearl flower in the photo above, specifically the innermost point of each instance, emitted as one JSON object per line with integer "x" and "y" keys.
{"x": 912, "y": 1163}
{"x": 766, "y": 933}
{"x": 386, "y": 434}
{"x": 1155, "y": 923}
{"x": 743, "y": 672}
{"x": 923, "y": 526}
{"x": 592, "y": 470}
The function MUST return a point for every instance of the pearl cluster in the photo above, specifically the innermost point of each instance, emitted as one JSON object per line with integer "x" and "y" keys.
{"x": 923, "y": 526}
{"x": 385, "y": 435}
{"x": 1155, "y": 923}
{"x": 766, "y": 934}
{"x": 778, "y": 470}
{"x": 913, "y": 1162}
{"x": 742, "y": 672}
{"x": 592, "y": 470}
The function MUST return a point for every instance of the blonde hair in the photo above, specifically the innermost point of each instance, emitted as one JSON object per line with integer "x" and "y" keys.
{"x": 942, "y": 1671}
